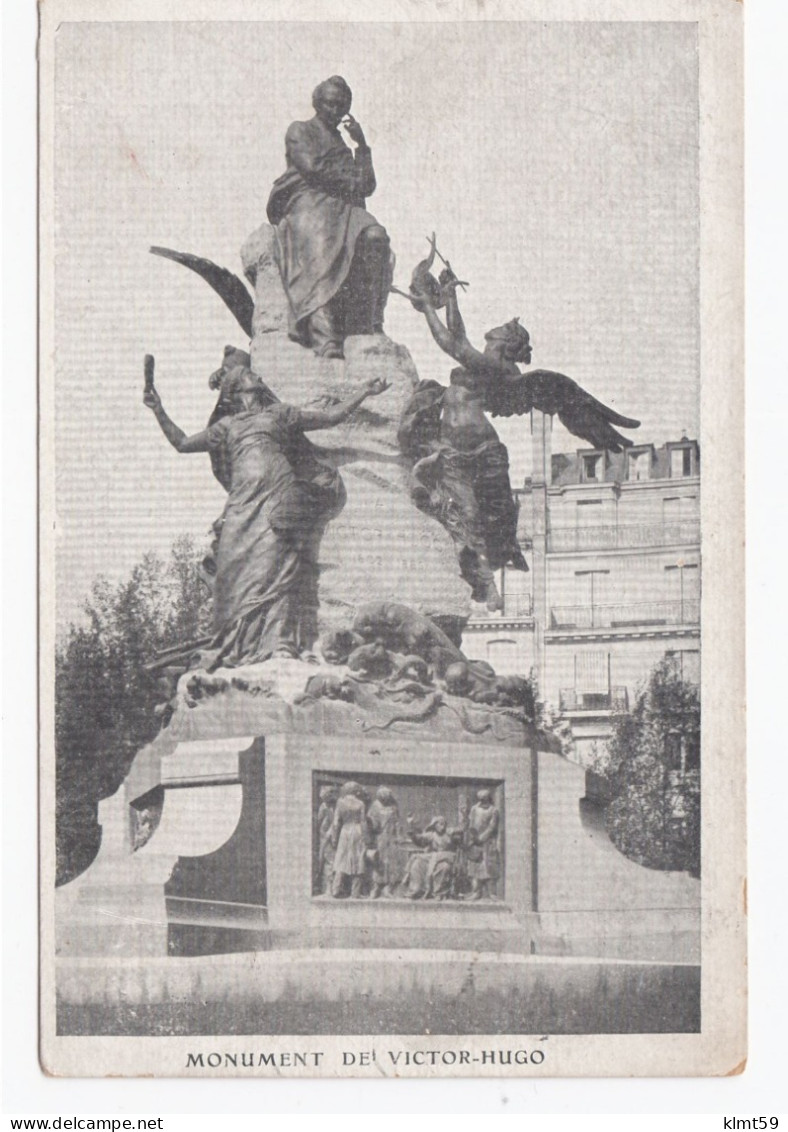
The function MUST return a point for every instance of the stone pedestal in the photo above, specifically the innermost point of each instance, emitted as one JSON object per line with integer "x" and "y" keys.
{"x": 221, "y": 922}
{"x": 594, "y": 900}
{"x": 117, "y": 907}
{"x": 233, "y": 862}
{"x": 208, "y": 803}
{"x": 438, "y": 772}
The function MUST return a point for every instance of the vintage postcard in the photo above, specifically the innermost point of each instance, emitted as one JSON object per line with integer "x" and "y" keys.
{"x": 392, "y": 699}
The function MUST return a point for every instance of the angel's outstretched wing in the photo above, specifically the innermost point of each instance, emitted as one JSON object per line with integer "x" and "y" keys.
{"x": 555, "y": 393}
{"x": 228, "y": 286}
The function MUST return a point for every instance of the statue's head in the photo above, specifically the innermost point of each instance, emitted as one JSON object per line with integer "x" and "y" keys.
{"x": 370, "y": 623}
{"x": 457, "y": 678}
{"x": 438, "y": 824}
{"x": 337, "y": 645}
{"x": 243, "y": 391}
{"x": 334, "y": 687}
{"x": 385, "y": 796}
{"x": 332, "y": 100}
{"x": 354, "y": 788}
{"x": 484, "y": 797}
{"x": 510, "y": 341}
{"x": 328, "y": 794}
{"x": 234, "y": 359}
{"x": 231, "y": 358}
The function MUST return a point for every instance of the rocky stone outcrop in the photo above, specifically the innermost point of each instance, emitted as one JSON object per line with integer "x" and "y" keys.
{"x": 292, "y": 697}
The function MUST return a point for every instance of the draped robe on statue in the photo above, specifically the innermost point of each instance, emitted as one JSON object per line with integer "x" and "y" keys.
{"x": 317, "y": 209}
{"x": 468, "y": 492}
{"x": 280, "y": 497}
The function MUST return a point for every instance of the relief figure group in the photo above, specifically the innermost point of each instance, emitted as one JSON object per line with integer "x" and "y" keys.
{"x": 366, "y": 850}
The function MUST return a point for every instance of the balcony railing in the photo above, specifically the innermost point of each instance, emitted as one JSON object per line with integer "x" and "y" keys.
{"x": 614, "y": 699}
{"x": 624, "y": 536}
{"x": 517, "y": 605}
{"x": 627, "y": 615}
{"x": 514, "y": 605}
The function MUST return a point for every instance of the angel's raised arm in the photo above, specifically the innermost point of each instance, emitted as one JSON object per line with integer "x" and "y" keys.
{"x": 456, "y": 343}
{"x": 449, "y": 283}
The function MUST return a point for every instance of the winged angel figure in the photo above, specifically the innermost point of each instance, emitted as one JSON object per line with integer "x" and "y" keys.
{"x": 460, "y": 466}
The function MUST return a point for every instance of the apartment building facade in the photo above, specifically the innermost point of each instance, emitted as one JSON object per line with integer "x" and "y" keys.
{"x": 613, "y": 545}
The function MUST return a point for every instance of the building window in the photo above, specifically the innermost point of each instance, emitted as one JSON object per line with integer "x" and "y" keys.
{"x": 592, "y": 468}
{"x": 680, "y": 519}
{"x": 591, "y": 589}
{"x": 692, "y": 752}
{"x": 681, "y": 462}
{"x": 671, "y": 509}
{"x": 502, "y": 655}
{"x": 589, "y": 512}
{"x": 592, "y": 674}
{"x": 588, "y": 515}
{"x": 516, "y": 593}
{"x": 591, "y": 691}
{"x": 685, "y": 664}
{"x": 639, "y": 465}
{"x": 683, "y": 586}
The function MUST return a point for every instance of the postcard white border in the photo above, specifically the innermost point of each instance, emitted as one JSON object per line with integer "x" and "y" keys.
{"x": 720, "y": 1047}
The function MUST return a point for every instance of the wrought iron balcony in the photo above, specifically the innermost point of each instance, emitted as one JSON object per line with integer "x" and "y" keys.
{"x": 517, "y": 605}
{"x": 626, "y": 615}
{"x": 614, "y": 699}
{"x": 624, "y": 536}
{"x": 514, "y": 606}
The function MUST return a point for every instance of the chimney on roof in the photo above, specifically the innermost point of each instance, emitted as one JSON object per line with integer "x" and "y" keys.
{"x": 541, "y": 447}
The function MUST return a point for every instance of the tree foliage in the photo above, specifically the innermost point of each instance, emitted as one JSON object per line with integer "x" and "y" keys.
{"x": 104, "y": 698}
{"x": 651, "y": 775}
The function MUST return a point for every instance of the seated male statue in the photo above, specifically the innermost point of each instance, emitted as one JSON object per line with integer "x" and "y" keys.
{"x": 334, "y": 258}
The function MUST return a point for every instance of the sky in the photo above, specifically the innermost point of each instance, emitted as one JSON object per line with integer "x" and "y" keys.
{"x": 557, "y": 163}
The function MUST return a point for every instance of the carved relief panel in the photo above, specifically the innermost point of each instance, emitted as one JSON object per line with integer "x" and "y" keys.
{"x": 403, "y": 837}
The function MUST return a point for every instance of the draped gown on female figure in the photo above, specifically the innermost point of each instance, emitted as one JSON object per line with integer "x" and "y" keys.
{"x": 280, "y": 497}
{"x": 281, "y": 494}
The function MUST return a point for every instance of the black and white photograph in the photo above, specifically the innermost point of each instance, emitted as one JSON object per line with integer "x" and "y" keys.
{"x": 391, "y": 642}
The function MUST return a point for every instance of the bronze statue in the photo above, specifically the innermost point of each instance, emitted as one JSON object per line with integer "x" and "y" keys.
{"x": 461, "y": 468}
{"x": 281, "y": 495}
{"x": 334, "y": 258}
{"x": 397, "y": 654}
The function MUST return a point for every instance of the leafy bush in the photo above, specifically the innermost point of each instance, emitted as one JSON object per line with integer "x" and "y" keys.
{"x": 651, "y": 775}
{"x": 104, "y": 698}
